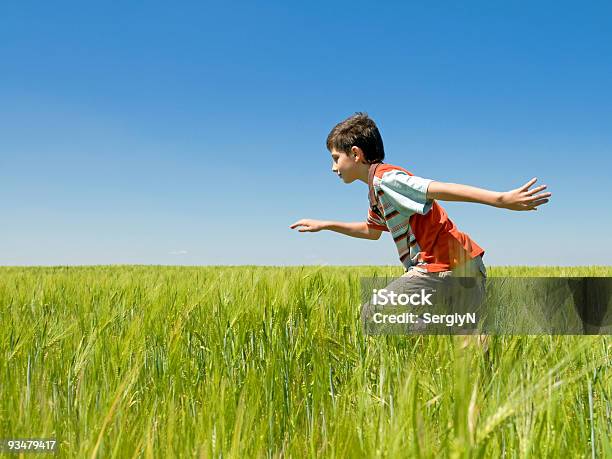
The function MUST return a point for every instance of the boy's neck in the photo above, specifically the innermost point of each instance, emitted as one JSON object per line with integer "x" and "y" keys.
{"x": 364, "y": 173}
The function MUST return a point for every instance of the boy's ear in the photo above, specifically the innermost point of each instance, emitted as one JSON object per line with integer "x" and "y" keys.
{"x": 358, "y": 154}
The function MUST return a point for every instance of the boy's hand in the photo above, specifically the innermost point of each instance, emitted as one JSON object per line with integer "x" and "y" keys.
{"x": 308, "y": 225}
{"x": 523, "y": 198}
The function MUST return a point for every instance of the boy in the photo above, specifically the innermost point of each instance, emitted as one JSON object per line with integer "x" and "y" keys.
{"x": 429, "y": 245}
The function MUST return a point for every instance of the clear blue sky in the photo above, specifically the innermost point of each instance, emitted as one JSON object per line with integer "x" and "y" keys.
{"x": 194, "y": 133}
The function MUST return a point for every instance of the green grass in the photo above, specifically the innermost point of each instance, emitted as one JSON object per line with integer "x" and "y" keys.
{"x": 134, "y": 361}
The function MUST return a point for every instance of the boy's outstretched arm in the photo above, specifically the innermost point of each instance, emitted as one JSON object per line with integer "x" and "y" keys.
{"x": 354, "y": 229}
{"x": 521, "y": 198}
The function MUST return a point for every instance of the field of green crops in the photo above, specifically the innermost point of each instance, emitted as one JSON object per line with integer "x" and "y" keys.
{"x": 145, "y": 361}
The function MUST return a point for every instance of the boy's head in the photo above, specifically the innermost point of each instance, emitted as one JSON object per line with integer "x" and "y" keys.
{"x": 354, "y": 144}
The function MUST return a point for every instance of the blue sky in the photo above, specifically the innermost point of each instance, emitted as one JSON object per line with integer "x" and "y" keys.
{"x": 194, "y": 133}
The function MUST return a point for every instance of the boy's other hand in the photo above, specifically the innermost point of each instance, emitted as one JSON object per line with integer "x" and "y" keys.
{"x": 523, "y": 198}
{"x": 308, "y": 225}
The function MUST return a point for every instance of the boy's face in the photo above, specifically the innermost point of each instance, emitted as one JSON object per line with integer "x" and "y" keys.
{"x": 346, "y": 165}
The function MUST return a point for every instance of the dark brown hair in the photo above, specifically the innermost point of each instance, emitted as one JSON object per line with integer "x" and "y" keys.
{"x": 358, "y": 130}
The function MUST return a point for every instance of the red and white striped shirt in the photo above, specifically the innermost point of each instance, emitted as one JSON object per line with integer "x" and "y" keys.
{"x": 425, "y": 237}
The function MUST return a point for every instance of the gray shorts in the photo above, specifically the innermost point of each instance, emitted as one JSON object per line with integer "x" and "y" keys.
{"x": 460, "y": 290}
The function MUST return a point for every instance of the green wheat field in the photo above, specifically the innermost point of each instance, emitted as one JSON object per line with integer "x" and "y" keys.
{"x": 251, "y": 361}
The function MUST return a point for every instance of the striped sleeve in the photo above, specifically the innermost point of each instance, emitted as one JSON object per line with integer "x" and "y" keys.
{"x": 406, "y": 194}
{"x": 375, "y": 222}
